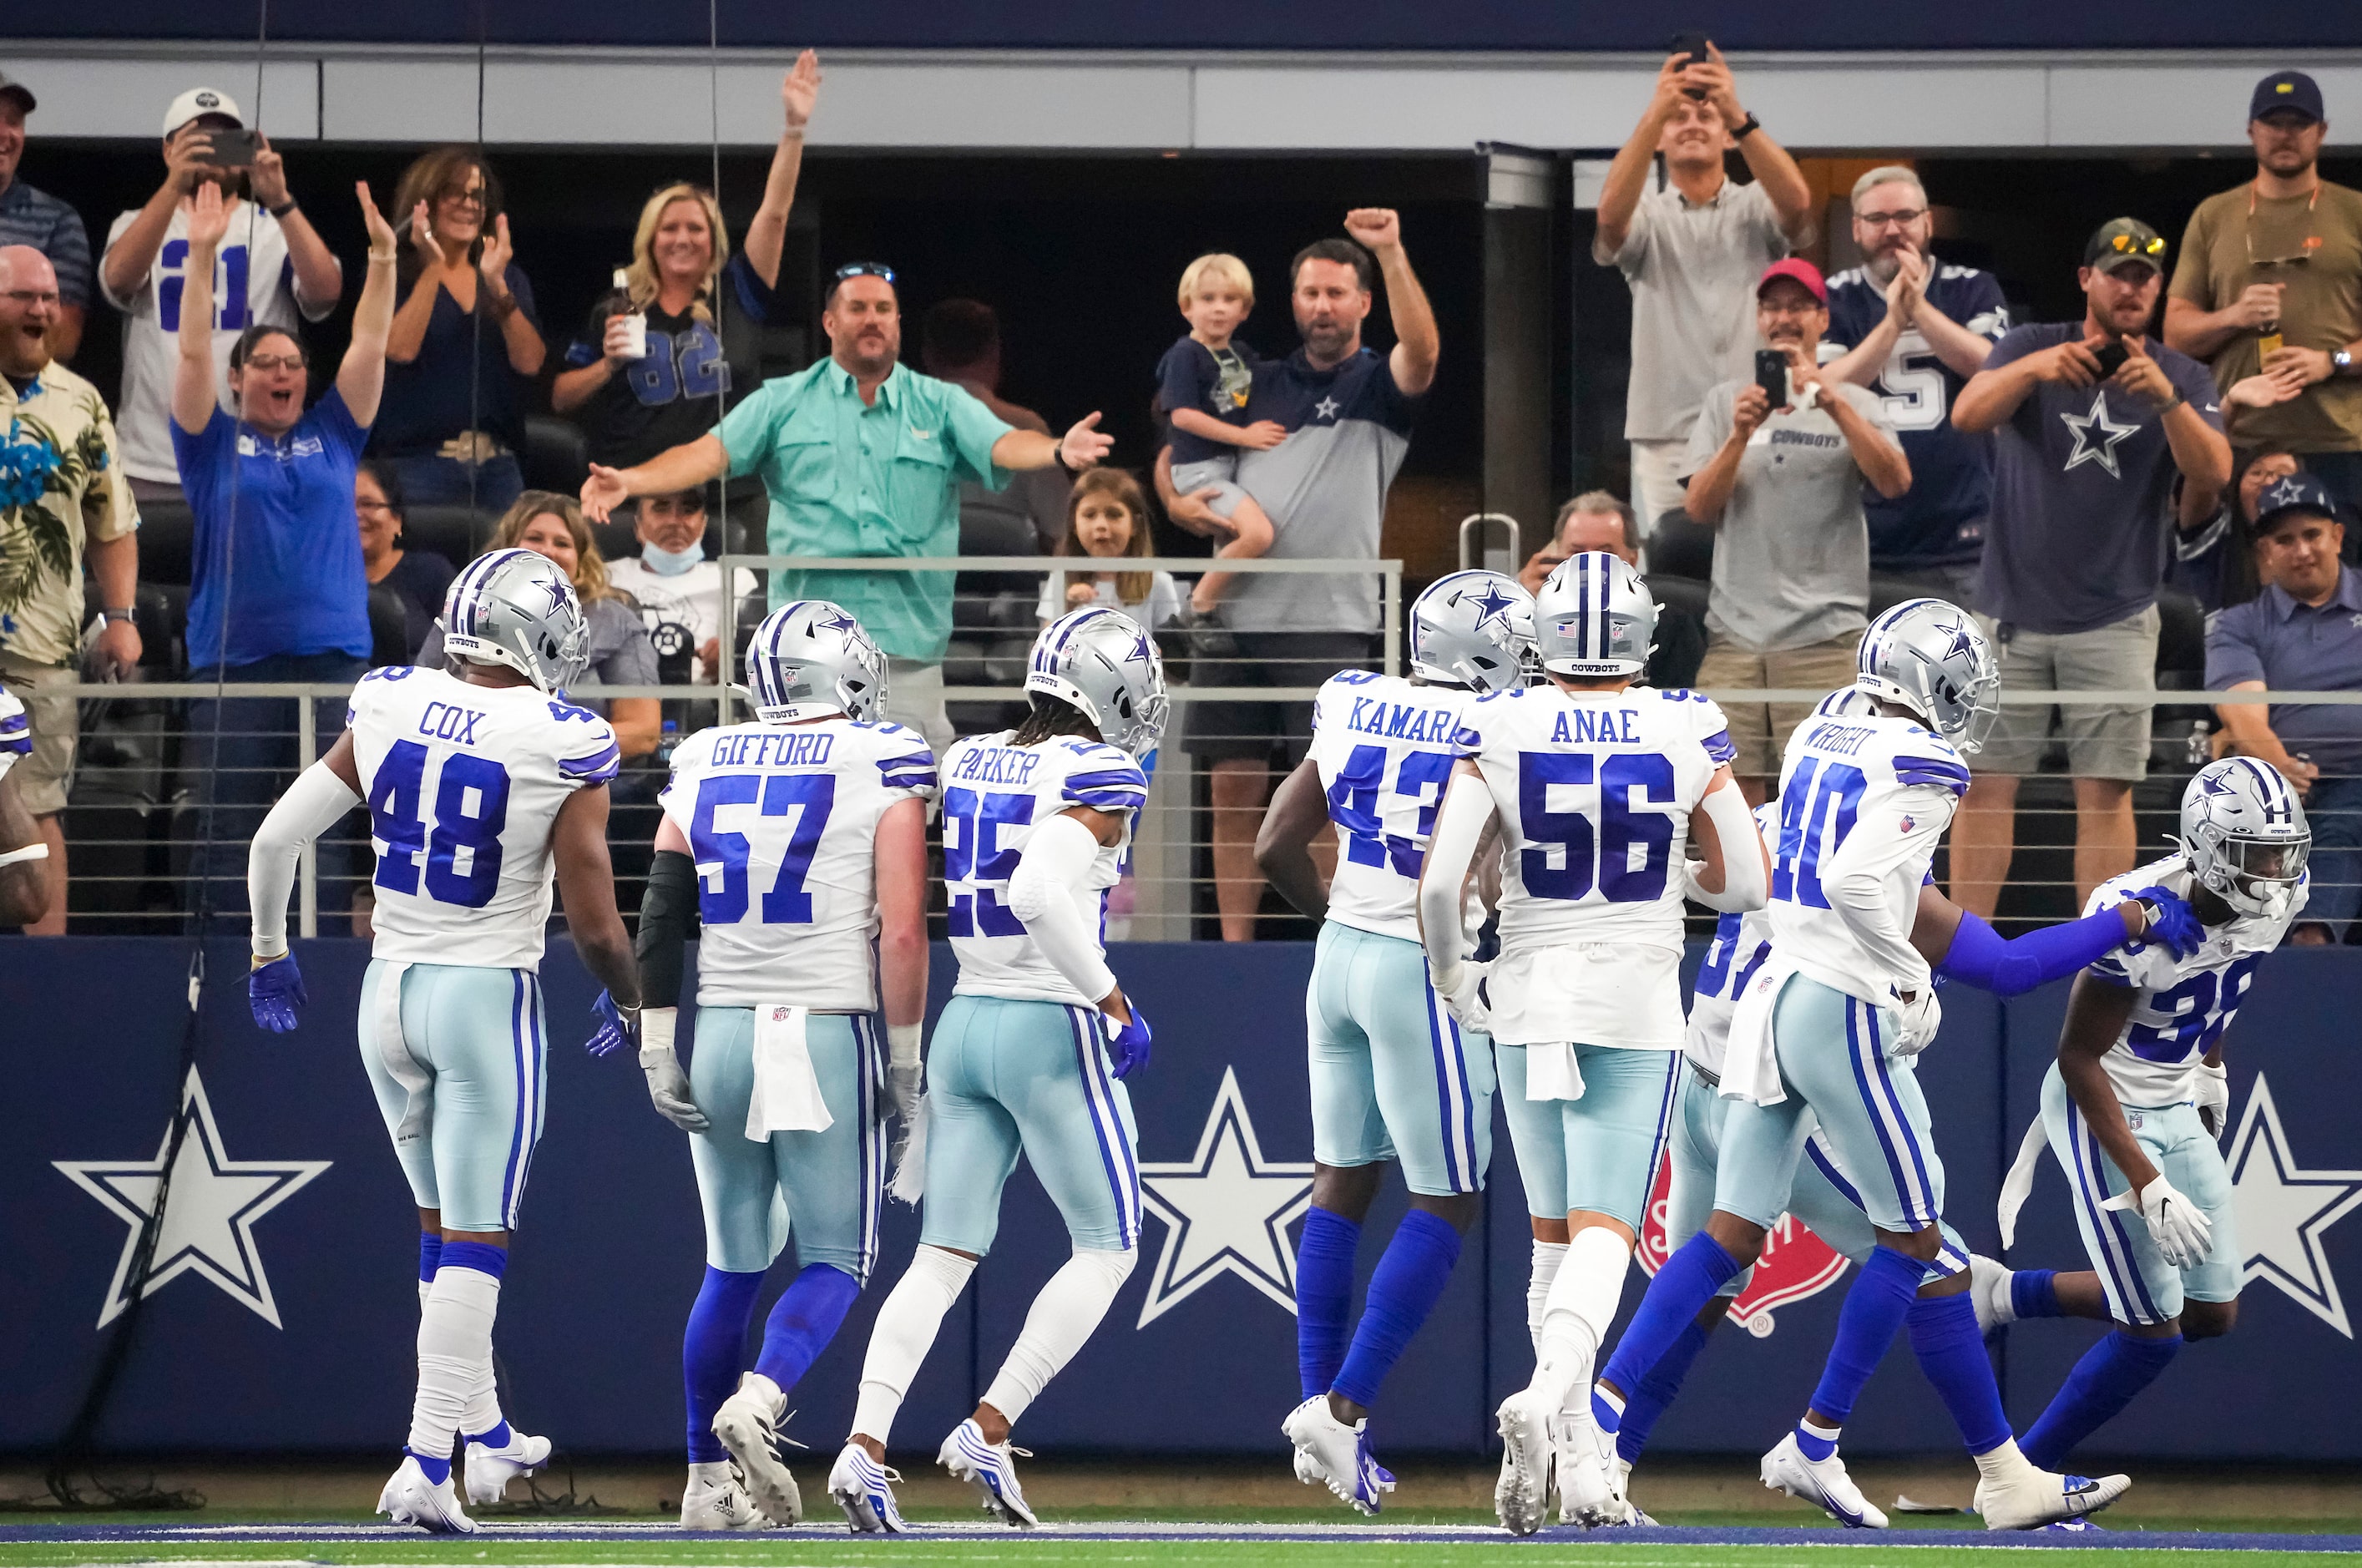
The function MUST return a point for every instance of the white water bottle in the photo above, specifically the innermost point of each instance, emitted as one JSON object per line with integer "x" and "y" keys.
{"x": 635, "y": 323}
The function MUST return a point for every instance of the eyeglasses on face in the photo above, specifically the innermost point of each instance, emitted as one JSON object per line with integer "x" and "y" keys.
{"x": 465, "y": 195}
{"x": 274, "y": 362}
{"x": 1905, "y": 217}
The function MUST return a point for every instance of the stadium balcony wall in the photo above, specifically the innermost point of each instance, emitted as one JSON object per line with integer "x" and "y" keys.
{"x": 290, "y": 1265}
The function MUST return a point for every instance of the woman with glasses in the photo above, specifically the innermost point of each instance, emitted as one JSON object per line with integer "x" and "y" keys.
{"x": 454, "y": 416}
{"x": 417, "y": 578}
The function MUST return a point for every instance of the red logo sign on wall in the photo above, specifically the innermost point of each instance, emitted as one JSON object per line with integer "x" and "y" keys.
{"x": 1795, "y": 1263}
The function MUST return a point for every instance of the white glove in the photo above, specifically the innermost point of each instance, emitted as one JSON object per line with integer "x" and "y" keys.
{"x": 1464, "y": 1001}
{"x": 1922, "y": 1016}
{"x": 667, "y": 1085}
{"x": 2184, "y": 1236}
{"x": 905, "y": 1071}
{"x": 2214, "y": 1096}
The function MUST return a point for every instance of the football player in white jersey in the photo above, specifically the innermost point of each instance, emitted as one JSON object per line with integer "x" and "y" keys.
{"x": 799, "y": 842}
{"x": 23, "y": 881}
{"x": 1599, "y": 788}
{"x": 2138, "y": 1095}
{"x": 1959, "y": 947}
{"x": 1392, "y": 1075}
{"x": 1035, "y": 823}
{"x": 483, "y": 783}
{"x": 1864, "y": 800}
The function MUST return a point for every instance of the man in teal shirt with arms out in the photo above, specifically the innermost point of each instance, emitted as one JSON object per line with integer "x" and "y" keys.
{"x": 863, "y": 456}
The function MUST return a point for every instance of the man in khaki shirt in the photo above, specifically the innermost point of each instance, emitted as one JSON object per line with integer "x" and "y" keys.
{"x": 62, "y": 502}
{"x": 2270, "y": 285}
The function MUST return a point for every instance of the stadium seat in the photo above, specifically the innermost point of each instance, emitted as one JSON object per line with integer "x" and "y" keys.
{"x": 1682, "y": 547}
{"x": 554, "y": 457}
{"x": 458, "y": 533}
{"x": 167, "y": 540}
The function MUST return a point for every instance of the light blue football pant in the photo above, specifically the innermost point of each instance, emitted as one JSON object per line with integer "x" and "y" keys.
{"x": 2141, "y": 1286}
{"x": 460, "y": 1085}
{"x": 824, "y": 1186}
{"x": 1598, "y": 1153}
{"x": 1824, "y": 1200}
{"x": 1393, "y": 1076}
{"x": 1831, "y": 1050}
{"x": 1007, "y": 1076}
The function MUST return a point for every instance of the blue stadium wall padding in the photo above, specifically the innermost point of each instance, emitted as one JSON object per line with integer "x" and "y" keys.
{"x": 282, "y": 1314}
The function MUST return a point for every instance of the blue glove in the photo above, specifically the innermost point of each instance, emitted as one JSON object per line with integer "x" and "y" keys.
{"x": 2176, "y": 923}
{"x": 275, "y": 991}
{"x": 614, "y": 1034}
{"x": 1128, "y": 1046}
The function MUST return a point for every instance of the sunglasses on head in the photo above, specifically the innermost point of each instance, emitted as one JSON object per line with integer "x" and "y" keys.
{"x": 2132, "y": 244}
{"x": 864, "y": 270}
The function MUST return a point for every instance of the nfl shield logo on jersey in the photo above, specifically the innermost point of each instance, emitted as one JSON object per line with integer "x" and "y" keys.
{"x": 1795, "y": 1263}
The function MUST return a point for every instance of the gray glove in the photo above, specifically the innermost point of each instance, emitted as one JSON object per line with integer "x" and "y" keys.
{"x": 667, "y": 1085}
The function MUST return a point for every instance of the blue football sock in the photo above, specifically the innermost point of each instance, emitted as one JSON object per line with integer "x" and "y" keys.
{"x": 2102, "y": 1383}
{"x": 1952, "y": 1353}
{"x": 2033, "y": 1293}
{"x": 430, "y": 1255}
{"x": 1411, "y": 1275}
{"x": 803, "y": 1323}
{"x": 713, "y": 1353}
{"x": 1324, "y": 1296}
{"x": 1873, "y": 1311}
{"x": 481, "y": 1256}
{"x": 437, "y": 1470}
{"x": 1686, "y": 1283}
{"x": 1643, "y": 1404}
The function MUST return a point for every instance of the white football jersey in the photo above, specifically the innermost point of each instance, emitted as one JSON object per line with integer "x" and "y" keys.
{"x": 1741, "y": 942}
{"x": 1881, "y": 791}
{"x": 1594, "y": 791}
{"x": 782, "y": 823}
{"x": 1385, "y": 746}
{"x": 993, "y": 795}
{"x": 2184, "y": 1004}
{"x": 463, "y": 784}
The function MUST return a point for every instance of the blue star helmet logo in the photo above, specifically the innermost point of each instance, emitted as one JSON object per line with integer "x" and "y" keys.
{"x": 2213, "y": 784}
{"x": 1494, "y": 605}
{"x": 1140, "y": 649}
{"x": 1962, "y": 643}
{"x": 841, "y": 621}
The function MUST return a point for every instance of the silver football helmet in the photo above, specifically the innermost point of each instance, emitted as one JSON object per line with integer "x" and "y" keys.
{"x": 1474, "y": 629}
{"x": 516, "y": 608}
{"x": 2243, "y": 833}
{"x": 1105, "y": 666}
{"x": 1931, "y": 657}
{"x": 811, "y": 659}
{"x": 1594, "y": 617}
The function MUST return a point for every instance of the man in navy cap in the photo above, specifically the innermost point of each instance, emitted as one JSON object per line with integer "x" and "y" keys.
{"x": 2270, "y": 283}
{"x": 2303, "y": 633}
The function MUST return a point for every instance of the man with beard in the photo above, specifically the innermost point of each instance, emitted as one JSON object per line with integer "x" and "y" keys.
{"x": 1914, "y": 330}
{"x": 863, "y": 455}
{"x": 1782, "y": 485}
{"x": 2270, "y": 283}
{"x": 2093, "y": 421}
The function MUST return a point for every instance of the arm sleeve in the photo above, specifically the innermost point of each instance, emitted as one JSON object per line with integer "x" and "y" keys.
{"x": 1459, "y": 826}
{"x": 972, "y": 430}
{"x": 908, "y": 770}
{"x": 315, "y": 802}
{"x": 1989, "y": 316}
{"x": 748, "y": 431}
{"x": 1909, "y": 823}
{"x": 1743, "y": 884}
{"x": 668, "y": 913}
{"x": 1979, "y": 956}
{"x": 1055, "y": 860}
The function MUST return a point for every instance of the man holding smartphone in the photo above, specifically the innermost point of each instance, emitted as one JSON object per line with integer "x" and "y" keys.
{"x": 273, "y": 268}
{"x": 2094, "y": 422}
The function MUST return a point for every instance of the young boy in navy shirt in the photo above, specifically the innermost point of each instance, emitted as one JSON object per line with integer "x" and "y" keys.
{"x": 1203, "y": 383}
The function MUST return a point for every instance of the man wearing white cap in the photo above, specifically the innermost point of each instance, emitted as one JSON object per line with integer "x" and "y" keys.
{"x": 273, "y": 265}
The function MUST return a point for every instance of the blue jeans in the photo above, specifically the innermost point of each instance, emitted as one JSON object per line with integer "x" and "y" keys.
{"x": 2333, "y": 807}
{"x": 241, "y": 770}
{"x": 429, "y": 481}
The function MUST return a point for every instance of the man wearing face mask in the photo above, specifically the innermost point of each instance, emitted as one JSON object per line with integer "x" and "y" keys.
{"x": 677, "y": 589}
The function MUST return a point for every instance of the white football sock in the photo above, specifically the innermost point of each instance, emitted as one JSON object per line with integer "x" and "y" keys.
{"x": 426, "y": 1290}
{"x": 482, "y": 1413}
{"x": 905, "y": 1331}
{"x": 1581, "y": 1304}
{"x": 1060, "y": 1320}
{"x": 1548, "y": 1256}
{"x": 455, "y": 1350}
{"x": 2005, "y": 1464}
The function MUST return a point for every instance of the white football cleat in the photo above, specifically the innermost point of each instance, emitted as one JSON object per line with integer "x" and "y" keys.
{"x": 1521, "y": 1498}
{"x": 716, "y": 1498}
{"x": 748, "y": 1425}
{"x": 1587, "y": 1492}
{"x": 864, "y": 1488}
{"x": 490, "y": 1470}
{"x": 2033, "y": 1497}
{"x": 1336, "y": 1454}
{"x": 410, "y": 1498}
{"x": 1822, "y": 1482}
{"x": 1989, "y": 1292}
{"x": 991, "y": 1469}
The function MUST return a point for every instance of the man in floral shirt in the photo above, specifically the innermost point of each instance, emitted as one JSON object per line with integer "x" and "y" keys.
{"x": 63, "y": 503}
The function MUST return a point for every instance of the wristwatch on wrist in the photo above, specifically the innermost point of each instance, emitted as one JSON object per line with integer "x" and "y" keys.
{"x": 112, "y": 615}
{"x": 284, "y": 208}
{"x": 2341, "y": 362}
{"x": 1058, "y": 455}
{"x": 1747, "y": 127}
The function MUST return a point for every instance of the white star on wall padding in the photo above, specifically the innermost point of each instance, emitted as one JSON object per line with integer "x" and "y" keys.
{"x": 2283, "y": 1210}
{"x": 1226, "y": 1210}
{"x": 209, "y": 1214}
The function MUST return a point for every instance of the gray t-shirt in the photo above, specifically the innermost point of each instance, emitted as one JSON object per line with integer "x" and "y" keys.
{"x": 2082, "y": 493}
{"x": 1791, "y": 552}
{"x": 1693, "y": 272}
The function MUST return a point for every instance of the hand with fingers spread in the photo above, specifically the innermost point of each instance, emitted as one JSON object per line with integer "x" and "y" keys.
{"x": 2184, "y": 1236}
{"x": 382, "y": 245}
{"x": 602, "y": 493}
{"x": 800, "y": 90}
{"x": 1084, "y": 445}
{"x": 266, "y": 177}
{"x": 208, "y": 217}
{"x": 274, "y": 990}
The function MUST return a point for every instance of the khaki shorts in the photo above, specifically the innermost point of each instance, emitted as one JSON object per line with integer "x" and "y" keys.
{"x": 42, "y": 778}
{"x": 2102, "y": 743}
{"x": 1761, "y": 730}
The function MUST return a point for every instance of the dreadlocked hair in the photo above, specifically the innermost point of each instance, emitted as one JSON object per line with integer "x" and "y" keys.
{"x": 1052, "y": 717}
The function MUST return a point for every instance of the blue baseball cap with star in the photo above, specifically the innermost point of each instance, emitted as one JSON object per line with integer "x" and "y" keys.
{"x": 2285, "y": 501}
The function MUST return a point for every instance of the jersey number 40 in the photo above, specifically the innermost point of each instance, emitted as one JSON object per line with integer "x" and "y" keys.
{"x": 1815, "y": 814}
